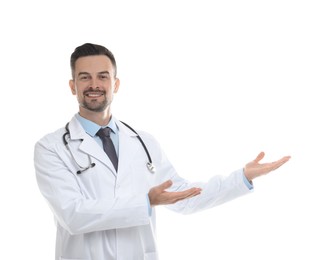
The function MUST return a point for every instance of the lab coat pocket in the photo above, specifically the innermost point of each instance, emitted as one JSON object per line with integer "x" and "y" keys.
{"x": 151, "y": 256}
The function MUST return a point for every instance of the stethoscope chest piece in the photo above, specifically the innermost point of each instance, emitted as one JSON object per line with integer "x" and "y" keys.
{"x": 151, "y": 167}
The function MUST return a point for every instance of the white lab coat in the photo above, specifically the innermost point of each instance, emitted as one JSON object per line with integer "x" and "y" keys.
{"x": 103, "y": 215}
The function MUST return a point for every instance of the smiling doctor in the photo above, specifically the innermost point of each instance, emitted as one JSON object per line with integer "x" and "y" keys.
{"x": 103, "y": 180}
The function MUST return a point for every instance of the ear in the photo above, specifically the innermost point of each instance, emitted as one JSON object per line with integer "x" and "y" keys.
{"x": 116, "y": 85}
{"x": 72, "y": 86}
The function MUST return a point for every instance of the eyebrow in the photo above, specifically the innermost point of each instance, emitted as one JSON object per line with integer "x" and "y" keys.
{"x": 104, "y": 72}
{"x": 87, "y": 73}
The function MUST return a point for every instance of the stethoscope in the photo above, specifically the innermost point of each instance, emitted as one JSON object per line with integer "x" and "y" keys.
{"x": 91, "y": 164}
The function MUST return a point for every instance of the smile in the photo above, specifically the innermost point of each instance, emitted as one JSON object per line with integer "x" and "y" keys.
{"x": 93, "y": 94}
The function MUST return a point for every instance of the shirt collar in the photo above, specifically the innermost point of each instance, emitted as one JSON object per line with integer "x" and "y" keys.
{"x": 92, "y": 128}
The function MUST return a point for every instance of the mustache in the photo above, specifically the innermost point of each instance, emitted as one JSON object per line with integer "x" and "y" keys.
{"x": 91, "y": 90}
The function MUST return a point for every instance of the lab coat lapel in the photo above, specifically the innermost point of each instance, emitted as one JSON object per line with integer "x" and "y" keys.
{"x": 88, "y": 145}
{"x": 128, "y": 148}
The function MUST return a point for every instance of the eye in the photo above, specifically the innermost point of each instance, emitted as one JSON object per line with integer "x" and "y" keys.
{"x": 103, "y": 76}
{"x": 84, "y": 77}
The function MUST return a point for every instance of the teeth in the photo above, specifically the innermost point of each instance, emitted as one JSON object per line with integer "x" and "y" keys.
{"x": 94, "y": 94}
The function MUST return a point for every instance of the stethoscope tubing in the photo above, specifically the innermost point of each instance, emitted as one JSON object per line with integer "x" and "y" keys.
{"x": 141, "y": 141}
{"x": 150, "y": 165}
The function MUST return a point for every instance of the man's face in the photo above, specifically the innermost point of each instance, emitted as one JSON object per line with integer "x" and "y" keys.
{"x": 94, "y": 83}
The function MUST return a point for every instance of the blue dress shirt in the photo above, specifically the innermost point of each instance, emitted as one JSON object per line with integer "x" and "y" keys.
{"x": 92, "y": 128}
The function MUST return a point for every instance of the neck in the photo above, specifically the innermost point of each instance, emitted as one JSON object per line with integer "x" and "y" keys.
{"x": 100, "y": 118}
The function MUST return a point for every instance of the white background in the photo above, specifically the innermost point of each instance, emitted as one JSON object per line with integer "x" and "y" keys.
{"x": 216, "y": 82}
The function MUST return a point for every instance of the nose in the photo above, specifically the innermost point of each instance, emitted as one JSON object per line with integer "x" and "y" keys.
{"x": 93, "y": 83}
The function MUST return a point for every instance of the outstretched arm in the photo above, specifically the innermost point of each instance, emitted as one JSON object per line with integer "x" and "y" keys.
{"x": 159, "y": 196}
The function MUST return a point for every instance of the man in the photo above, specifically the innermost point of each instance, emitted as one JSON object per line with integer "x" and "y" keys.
{"x": 98, "y": 186}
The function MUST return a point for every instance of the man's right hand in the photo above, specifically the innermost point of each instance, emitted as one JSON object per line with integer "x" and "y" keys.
{"x": 158, "y": 195}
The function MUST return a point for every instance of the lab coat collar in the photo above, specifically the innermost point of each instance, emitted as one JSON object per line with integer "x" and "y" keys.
{"x": 122, "y": 128}
{"x": 89, "y": 145}
{"x": 78, "y": 132}
{"x": 92, "y": 128}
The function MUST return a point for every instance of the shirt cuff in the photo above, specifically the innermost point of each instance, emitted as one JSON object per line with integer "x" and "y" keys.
{"x": 248, "y": 183}
{"x": 149, "y": 206}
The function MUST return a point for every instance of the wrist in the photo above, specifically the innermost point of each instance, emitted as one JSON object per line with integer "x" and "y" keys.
{"x": 247, "y": 174}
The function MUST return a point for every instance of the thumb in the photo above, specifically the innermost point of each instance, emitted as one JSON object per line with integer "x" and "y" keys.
{"x": 165, "y": 185}
{"x": 259, "y": 157}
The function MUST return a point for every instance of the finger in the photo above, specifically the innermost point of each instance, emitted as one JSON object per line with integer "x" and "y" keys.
{"x": 280, "y": 162}
{"x": 259, "y": 157}
{"x": 275, "y": 165}
{"x": 188, "y": 196}
{"x": 285, "y": 159}
{"x": 198, "y": 192}
{"x": 180, "y": 195}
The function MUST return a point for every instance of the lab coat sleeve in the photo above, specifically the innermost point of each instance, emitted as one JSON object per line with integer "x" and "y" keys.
{"x": 72, "y": 210}
{"x": 217, "y": 190}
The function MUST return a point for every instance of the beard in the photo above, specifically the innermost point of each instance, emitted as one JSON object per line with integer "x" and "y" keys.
{"x": 95, "y": 105}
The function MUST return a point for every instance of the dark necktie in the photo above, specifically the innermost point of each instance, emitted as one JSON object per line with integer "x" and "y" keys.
{"x": 108, "y": 147}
